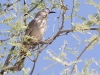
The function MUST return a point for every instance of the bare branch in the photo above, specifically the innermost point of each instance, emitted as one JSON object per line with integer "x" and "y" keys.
{"x": 24, "y": 12}
{"x": 71, "y": 30}
{"x": 72, "y": 13}
{"x": 46, "y": 41}
{"x": 82, "y": 53}
{"x": 34, "y": 64}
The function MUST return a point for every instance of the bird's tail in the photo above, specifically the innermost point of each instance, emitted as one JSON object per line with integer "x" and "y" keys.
{"x": 20, "y": 62}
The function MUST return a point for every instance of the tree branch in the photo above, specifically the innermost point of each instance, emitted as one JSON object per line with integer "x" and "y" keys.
{"x": 34, "y": 64}
{"x": 7, "y": 61}
{"x": 82, "y": 53}
{"x": 56, "y": 35}
{"x": 35, "y": 6}
{"x": 9, "y": 5}
{"x": 72, "y": 13}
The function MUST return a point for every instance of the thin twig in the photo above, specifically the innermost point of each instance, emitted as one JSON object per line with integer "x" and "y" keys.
{"x": 25, "y": 12}
{"x": 72, "y": 13}
{"x": 82, "y": 53}
{"x": 61, "y": 27}
{"x": 37, "y": 58}
{"x": 34, "y": 64}
{"x": 9, "y": 5}
{"x": 71, "y": 30}
{"x": 8, "y": 57}
{"x": 49, "y": 42}
{"x": 46, "y": 41}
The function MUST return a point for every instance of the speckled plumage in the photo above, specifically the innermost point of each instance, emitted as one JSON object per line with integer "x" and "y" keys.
{"x": 37, "y": 26}
{"x": 36, "y": 29}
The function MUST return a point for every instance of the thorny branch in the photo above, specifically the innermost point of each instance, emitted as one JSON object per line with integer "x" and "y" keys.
{"x": 7, "y": 61}
{"x": 35, "y": 6}
{"x": 46, "y": 41}
{"x": 9, "y": 5}
{"x": 82, "y": 53}
{"x": 9, "y": 55}
{"x": 51, "y": 40}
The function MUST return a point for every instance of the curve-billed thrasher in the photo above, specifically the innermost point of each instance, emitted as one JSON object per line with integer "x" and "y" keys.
{"x": 36, "y": 29}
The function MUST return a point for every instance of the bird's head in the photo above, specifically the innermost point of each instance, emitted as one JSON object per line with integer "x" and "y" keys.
{"x": 44, "y": 13}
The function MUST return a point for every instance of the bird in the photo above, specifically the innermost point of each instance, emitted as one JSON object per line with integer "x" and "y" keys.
{"x": 36, "y": 29}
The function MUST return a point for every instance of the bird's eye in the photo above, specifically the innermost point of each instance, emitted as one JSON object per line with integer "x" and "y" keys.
{"x": 44, "y": 14}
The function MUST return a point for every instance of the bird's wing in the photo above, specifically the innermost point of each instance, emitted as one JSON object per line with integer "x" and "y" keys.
{"x": 18, "y": 65}
{"x": 30, "y": 27}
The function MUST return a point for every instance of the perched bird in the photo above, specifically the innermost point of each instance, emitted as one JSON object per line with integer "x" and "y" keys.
{"x": 36, "y": 29}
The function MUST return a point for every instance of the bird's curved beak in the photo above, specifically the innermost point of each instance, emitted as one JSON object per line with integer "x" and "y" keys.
{"x": 52, "y": 12}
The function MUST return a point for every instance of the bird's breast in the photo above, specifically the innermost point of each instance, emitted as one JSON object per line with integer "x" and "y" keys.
{"x": 43, "y": 27}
